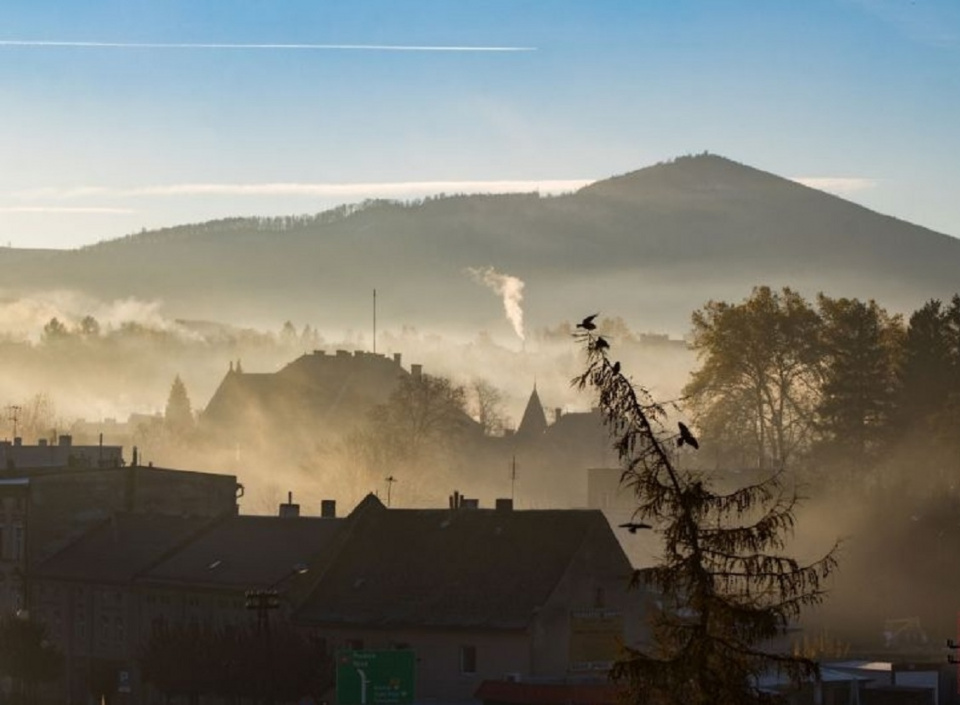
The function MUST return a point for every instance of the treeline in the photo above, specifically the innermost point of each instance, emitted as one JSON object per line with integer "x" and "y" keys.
{"x": 838, "y": 387}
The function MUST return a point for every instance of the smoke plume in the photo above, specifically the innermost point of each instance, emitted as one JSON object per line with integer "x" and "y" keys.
{"x": 507, "y": 287}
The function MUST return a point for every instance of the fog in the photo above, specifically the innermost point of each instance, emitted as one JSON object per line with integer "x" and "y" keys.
{"x": 898, "y": 524}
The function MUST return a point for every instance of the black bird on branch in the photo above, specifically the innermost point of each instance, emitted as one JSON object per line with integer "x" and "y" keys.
{"x": 633, "y": 526}
{"x": 601, "y": 344}
{"x": 587, "y": 323}
{"x": 686, "y": 436}
{"x": 616, "y": 368}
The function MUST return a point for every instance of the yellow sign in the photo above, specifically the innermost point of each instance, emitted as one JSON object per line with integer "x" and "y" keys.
{"x": 595, "y": 638}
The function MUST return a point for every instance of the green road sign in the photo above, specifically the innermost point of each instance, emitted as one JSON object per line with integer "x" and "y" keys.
{"x": 375, "y": 677}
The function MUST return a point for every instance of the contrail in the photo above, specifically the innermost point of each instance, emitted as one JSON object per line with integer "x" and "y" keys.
{"x": 35, "y": 43}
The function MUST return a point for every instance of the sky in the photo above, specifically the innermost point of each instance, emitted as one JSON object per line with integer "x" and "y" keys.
{"x": 120, "y": 115}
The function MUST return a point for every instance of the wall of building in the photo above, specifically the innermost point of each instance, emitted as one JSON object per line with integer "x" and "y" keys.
{"x": 576, "y": 624}
{"x": 439, "y": 676}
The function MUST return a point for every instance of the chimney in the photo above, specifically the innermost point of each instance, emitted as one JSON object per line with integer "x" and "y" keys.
{"x": 397, "y": 357}
{"x": 289, "y": 510}
{"x": 504, "y": 504}
{"x": 42, "y": 442}
{"x": 455, "y": 500}
{"x": 328, "y": 509}
{"x": 557, "y": 413}
{"x": 18, "y": 441}
{"x": 416, "y": 371}
{"x": 65, "y": 441}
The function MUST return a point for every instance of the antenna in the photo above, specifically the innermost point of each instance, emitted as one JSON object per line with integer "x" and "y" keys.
{"x": 390, "y": 480}
{"x": 513, "y": 477}
{"x": 375, "y": 326}
{"x": 14, "y": 416}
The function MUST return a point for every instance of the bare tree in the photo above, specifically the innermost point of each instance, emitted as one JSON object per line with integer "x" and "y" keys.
{"x": 486, "y": 406}
{"x": 726, "y": 583}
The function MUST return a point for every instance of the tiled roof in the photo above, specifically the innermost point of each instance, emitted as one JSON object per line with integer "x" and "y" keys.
{"x": 247, "y": 552}
{"x": 447, "y": 568}
{"x": 116, "y": 550}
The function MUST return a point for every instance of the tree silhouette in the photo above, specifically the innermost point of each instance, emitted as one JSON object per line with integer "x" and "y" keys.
{"x": 861, "y": 344}
{"x": 26, "y": 657}
{"x": 727, "y": 586}
{"x": 178, "y": 414}
{"x": 758, "y": 381}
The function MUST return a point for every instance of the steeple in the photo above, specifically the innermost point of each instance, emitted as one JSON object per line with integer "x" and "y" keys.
{"x": 534, "y": 421}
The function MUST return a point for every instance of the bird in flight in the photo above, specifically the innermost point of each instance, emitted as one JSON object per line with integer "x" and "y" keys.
{"x": 686, "y": 436}
{"x": 587, "y": 323}
{"x": 633, "y": 526}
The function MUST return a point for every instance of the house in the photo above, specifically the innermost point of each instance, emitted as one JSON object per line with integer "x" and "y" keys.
{"x": 103, "y": 596}
{"x": 477, "y": 593}
{"x": 314, "y": 391}
{"x": 45, "y": 508}
{"x": 86, "y": 596}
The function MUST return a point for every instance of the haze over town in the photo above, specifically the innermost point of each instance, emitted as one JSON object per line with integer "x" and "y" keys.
{"x": 444, "y": 352}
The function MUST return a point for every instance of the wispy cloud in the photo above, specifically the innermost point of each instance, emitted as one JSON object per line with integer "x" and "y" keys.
{"x": 401, "y": 189}
{"x": 837, "y": 184}
{"x": 35, "y": 44}
{"x": 73, "y": 210}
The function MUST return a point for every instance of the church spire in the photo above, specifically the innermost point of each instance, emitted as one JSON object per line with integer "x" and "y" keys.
{"x": 534, "y": 421}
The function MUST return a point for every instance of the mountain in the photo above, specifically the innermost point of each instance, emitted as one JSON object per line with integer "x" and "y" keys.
{"x": 651, "y": 246}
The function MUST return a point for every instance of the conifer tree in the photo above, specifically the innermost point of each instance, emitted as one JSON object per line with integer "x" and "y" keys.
{"x": 178, "y": 415}
{"x": 727, "y": 586}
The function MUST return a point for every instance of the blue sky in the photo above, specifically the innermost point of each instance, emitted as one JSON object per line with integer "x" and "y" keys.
{"x": 862, "y": 97}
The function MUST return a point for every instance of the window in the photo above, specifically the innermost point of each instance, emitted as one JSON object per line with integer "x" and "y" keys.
{"x": 468, "y": 659}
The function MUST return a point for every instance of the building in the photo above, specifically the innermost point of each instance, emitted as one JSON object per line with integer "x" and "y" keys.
{"x": 14, "y": 454}
{"x": 478, "y": 593}
{"x": 315, "y": 390}
{"x": 103, "y": 596}
{"x": 43, "y": 509}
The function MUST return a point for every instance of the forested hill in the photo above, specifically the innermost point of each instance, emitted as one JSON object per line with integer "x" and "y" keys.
{"x": 651, "y": 245}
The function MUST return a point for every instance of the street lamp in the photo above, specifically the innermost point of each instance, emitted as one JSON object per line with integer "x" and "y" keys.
{"x": 268, "y": 599}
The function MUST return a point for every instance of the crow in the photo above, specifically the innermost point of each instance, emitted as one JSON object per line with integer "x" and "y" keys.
{"x": 633, "y": 526}
{"x": 686, "y": 436}
{"x": 601, "y": 344}
{"x": 587, "y": 323}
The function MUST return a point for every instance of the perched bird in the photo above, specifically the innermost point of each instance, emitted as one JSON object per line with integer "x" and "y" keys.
{"x": 633, "y": 526}
{"x": 587, "y": 323}
{"x": 686, "y": 436}
{"x": 616, "y": 368}
{"x": 601, "y": 344}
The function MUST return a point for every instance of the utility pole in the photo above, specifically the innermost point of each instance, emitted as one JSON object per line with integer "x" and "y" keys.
{"x": 374, "y": 321}
{"x": 513, "y": 477}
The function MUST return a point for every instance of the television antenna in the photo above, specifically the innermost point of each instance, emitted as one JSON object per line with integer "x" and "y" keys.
{"x": 14, "y": 417}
